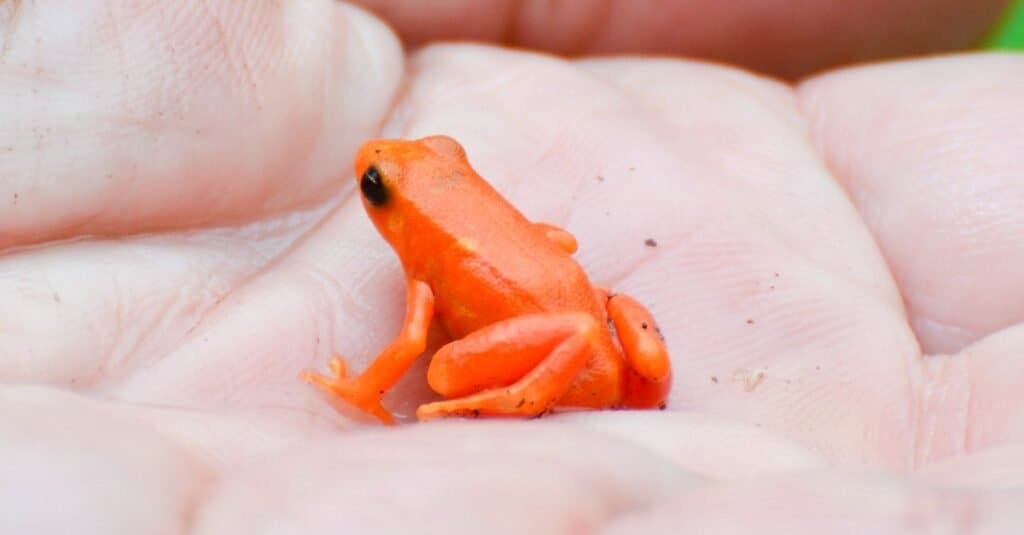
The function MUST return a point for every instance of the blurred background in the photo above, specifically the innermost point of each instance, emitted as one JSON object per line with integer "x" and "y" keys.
{"x": 1010, "y": 34}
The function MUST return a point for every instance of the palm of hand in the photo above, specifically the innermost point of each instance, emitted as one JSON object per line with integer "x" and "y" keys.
{"x": 796, "y": 318}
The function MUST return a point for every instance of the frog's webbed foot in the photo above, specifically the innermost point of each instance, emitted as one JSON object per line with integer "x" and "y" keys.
{"x": 643, "y": 345}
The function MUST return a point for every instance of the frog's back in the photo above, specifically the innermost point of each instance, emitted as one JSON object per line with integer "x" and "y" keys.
{"x": 495, "y": 264}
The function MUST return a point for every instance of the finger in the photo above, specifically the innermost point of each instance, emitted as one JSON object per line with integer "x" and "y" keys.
{"x": 501, "y": 477}
{"x": 786, "y": 38}
{"x": 999, "y": 468}
{"x": 216, "y": 441}
{"x": 701, "y": 444}
{"x": 336, "y": 290}
{"x": 87, "y": 314}
{"x": 935, "y": 171}
{"x": 972, "y": 401}
{"x": 73, "y": 468}
{"x": 827, "y": 502}
{"x": 140, "y": 117}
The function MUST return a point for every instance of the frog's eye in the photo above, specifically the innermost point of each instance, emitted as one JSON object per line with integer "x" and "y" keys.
{"x": 373, "y": 187}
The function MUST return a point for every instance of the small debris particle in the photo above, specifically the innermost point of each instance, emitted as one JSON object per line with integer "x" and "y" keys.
{"x": 662, "y": 407}
{"x": 650, "y": 242}
{"x": 632, "y": 168}
{"x": 714, "y": 379}
{"x": 56, "y": 297}
{"x": 521, "y": 403}
{"x": 750, "y": 378}
{"x": 643, "y": 325}
{"x": 772, "y": 287}
{"x": 750, "y": 321}
{"x": 776, "y": 274}
{"x": 476, "y": 413}
{"x": 599, "y": 178}
{"x": 381, "y": 392}
{"x": 817, "y": 368}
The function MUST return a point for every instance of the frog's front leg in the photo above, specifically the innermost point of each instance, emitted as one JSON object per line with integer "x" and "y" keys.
{"x": 366, "y": 390}
{"x": 518, "y": 367}
{"x": 650, "y": 378}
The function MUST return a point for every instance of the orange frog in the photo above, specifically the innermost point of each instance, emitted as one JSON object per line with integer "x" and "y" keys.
{"x": 529, "y": 330}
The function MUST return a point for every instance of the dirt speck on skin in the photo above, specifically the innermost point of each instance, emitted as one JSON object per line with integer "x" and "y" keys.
{"x": 714, "y": 379}
{"x": 650, "y": 242}
{"x": 750, "y": 322}
{"x": 599, "y": 178}
{"x": 750, "y": 378}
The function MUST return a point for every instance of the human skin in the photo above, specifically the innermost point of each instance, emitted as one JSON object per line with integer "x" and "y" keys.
{"x": 836, "y": 271}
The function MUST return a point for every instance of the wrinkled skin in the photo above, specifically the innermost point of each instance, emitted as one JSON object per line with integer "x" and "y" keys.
{"x": 837, "y": 271}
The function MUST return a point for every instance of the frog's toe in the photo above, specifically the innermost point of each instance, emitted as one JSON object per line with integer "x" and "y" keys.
{"x": 338, "y": 368}
{"x": 350, "y": 391}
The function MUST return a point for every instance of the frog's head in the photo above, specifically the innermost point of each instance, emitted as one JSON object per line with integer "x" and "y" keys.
{"x": 397, "y": 178}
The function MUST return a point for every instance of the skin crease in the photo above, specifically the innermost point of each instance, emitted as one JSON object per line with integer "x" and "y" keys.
{"x": 184, "y": 236}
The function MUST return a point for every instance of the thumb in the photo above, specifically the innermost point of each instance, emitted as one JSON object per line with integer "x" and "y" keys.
{"x": 126, "y": 116}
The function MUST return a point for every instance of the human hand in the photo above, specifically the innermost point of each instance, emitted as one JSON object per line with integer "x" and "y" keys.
{"x": 179, "y": 201}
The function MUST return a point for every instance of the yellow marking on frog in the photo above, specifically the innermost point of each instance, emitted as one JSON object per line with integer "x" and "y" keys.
{"x": 466, "y": 244}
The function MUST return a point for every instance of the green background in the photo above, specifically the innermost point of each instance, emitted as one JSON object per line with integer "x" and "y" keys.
{"x": 1010, "y": 33}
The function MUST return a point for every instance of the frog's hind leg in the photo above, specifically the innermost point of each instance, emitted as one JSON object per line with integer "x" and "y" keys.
{"x": 517, "y": 367}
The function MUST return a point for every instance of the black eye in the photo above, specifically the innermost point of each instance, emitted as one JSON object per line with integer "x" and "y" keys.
{"x": 373, "y": 187}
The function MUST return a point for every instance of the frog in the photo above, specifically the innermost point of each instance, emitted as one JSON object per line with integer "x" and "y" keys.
{"x": 528, "y": 332}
